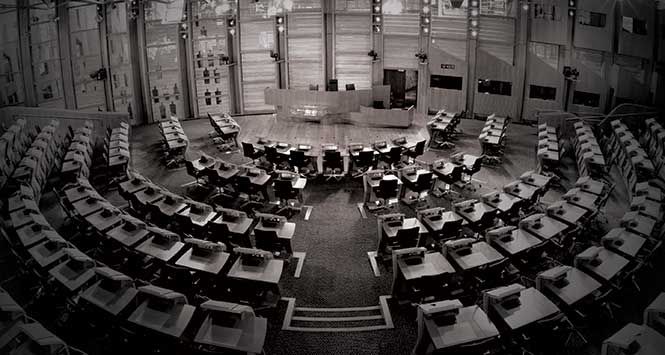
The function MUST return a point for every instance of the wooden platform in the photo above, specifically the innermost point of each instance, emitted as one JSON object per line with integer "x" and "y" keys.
{"x": 316, "y": 134}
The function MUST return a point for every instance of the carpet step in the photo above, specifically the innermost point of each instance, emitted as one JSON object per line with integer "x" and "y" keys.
{"x": 347, "y": 319}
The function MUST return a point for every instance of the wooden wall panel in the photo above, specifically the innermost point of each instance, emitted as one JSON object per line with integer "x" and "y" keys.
{"x": 661, "y": 35}
{"x": 496, "y": 29}
{"x": 493, "y": 67}
{"x": 449, "y": 27}
{"x": 352, "y": 43}
{"x": 592, "y": 79}
{"x": 551, "y": 26}
{"x": 446, "y": 52}
{"x": 399, "y": 52}
{"x": 542, "y": 73}
{"x": 634, "y": 44}
{"x": 305, "y": 50}
{"x": 258, "y": 68}
{"x": 597, "y": 38}
{"x": 403, "y": 24}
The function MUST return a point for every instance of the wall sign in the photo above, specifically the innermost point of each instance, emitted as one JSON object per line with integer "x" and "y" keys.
{"x": 447, "y": 66}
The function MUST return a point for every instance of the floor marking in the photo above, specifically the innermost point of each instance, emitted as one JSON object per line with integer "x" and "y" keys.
{"x": 372, "y": 262}
{"x": 301, "y": 261}
{"x": 308, "y": 211}
{"x": 361, "y": 209}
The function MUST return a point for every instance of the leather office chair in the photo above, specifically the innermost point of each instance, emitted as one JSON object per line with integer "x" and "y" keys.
{"x": 450, "y": 177}
{"x": 392, "y": 158}
{"x": 387, "y": 190}
{"x": 269, "y": 241}
{"x": 405, "y": 238}
{"x": 362, "y": 162}
{"x": 333, "y": 164}
{"x": 175, "y": 278}
{"x": 414, "y": 152}
{"x": 300, "y": 162}
{"x": 288, "y": 196}
{"x": 249, "y": 151}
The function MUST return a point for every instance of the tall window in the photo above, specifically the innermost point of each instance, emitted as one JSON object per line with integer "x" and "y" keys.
{"x": 548, "y": 53}
{"x": 495, "y": 87}
{"x": 495, "y": 7}
{"x": 352, "y": 5}
{"x": 45, "y": 52}
{"x": 590, "y": 18}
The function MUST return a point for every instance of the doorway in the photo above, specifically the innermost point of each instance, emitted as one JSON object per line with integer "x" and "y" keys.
{"x": 403, "y": 87}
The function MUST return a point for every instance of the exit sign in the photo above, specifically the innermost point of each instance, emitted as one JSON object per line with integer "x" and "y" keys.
{"x": 447, "y": 66}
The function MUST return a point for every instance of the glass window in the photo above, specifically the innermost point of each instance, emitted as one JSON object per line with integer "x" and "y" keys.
{"x": 548, "y": 53}
{"x": 634, "y": 26}
{"x": 120, "y": 71}
{"x": 455, "y": 8}
{"x": 396, "y": 7}
{"x": 446, "y": 82}
{"x": 546, "y": 12}
{"x": 352, "y": 5}
{"x": 495, "y": 7}
{"x": 586, "y": 99}
{"x": 11, "y": 80}
{"x": 542, "y": 92}
{"x": 590, "y": 18}
{"x": 495, "y": 87}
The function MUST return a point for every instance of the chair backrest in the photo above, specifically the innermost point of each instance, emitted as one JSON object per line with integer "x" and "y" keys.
{"x": 407, "y": 237}
{"x": 395, "y": 154}
{"x": 244, "y": 184}
{"x": 332, "y": 159}
{"x": 350, "y": 87}
{"x": 191, "y": 171}
{"x": 366, "y": 158}
{"x": 219, "y": 231}
{"x": 387, "y": 188}
{"x": 297, "y": 158}
{"x": 248, "y": 150}
{"x": 267, "y": 240}
{"x": 271, "y": 154}
{"x": 284, "y": 189}
{"x": 419, "y": 149}
{"x": 424, "y": 181}
{"x": 313, "y": 87}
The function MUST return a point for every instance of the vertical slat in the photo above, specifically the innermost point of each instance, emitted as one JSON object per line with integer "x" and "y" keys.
{"x": 305, "y": 48}
{"x": 352, "y": 43}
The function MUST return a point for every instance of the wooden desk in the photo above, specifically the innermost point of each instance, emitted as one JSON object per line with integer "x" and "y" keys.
{"x": 522, "y": 190}
{"x": 243, "y": 337}
{"x": 128, "y": 238}
{"x": 433, "y": 264}
{"x": 471, "y": 325}
{"x": 534, "y": 306}
{"x": 84, "y": 208}
{"x": 163, "y": 253}
{"x": 75, "y": 194}
{"x": 112, "y": 303}
{"x": 537, "y": 180}
{"x": 568, "y": 212}
{"x": 25, "y": 217}
{"x": 582, "y": 199}
{"x": 269, "y": 271}
{"x": 198, "y": 219}
{"x": 72, "y": 280}
{"x": 169, "y": 209}
{"x": 481, "y": 255}
{"x": 101, "y": 223}
{"x": 628, "y": 243}
{"x": 284, "y": 231}
{"x": 549, "y": 228}
{"x": 172, "y": 323}
{"x": 591, "y": 186}
{"x": 642, "y": 225}
{"x": 133, "y": 186}
{"x": 241, "y": 226}
{"x": 650, "y": 341}
{"x": 436, "y": 226}
{"x": 611, "y": 265}
{"x": 45, "y": 257}
{"x": 212, "y": 264}
{"x": 145, "y": 197}
{"x": 391, "y": 231}
{"x": 504, "y": 203}
{"x": 579, "y": 286}
{"x": 519, "y": 242}
{"x": 29, "y": 237}
{"x": 478, "y": 213}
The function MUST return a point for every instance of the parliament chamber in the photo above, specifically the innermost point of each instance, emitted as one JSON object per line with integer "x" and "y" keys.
{"x": 332, "y": 177}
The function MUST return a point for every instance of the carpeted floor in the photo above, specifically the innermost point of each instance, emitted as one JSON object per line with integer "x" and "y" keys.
{"x": 336, "y": 238}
